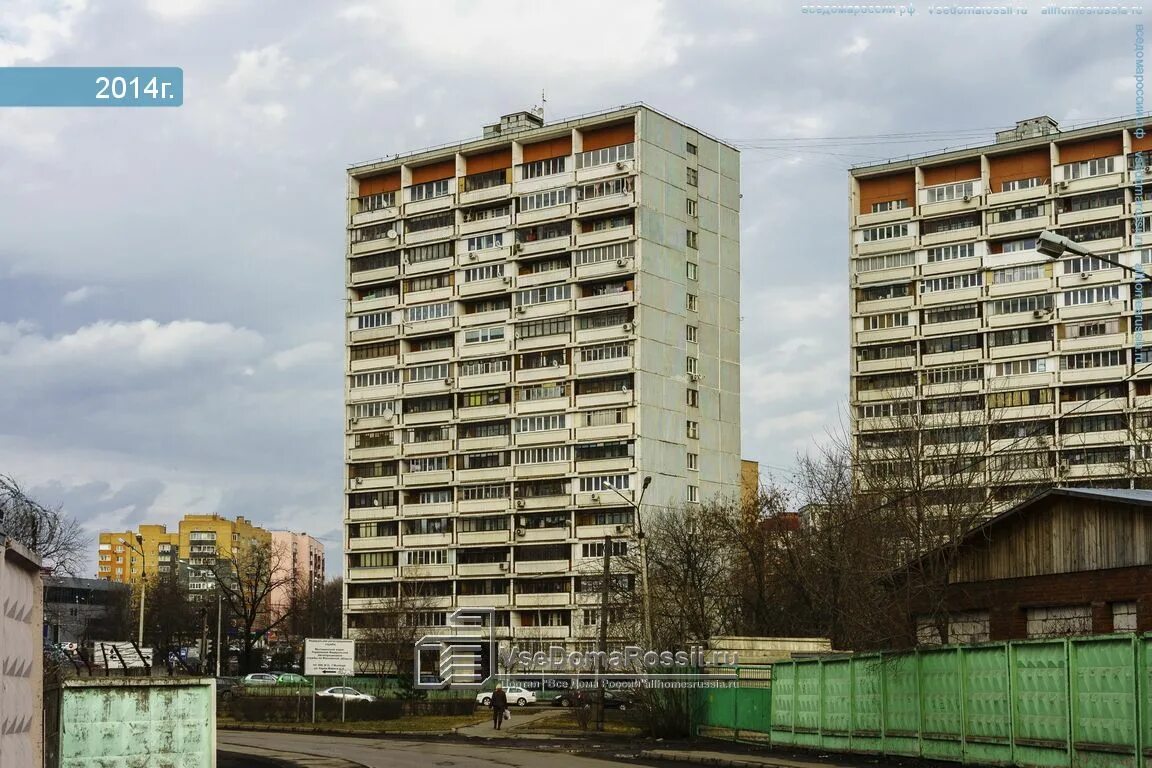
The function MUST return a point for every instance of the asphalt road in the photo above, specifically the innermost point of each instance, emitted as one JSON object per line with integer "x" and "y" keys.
{"x": 399, "y": 753}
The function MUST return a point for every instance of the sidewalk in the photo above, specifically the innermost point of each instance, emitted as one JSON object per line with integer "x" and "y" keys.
{"x": 731, "y": 760}
{"x": 508, "y": 729}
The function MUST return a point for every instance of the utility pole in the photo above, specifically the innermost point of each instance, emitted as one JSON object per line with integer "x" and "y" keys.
{"x": 646, "y": 601}
{"x": 219, "y": 620}
{"x": 203, "y": 637}
{"x": 603, "y": 631}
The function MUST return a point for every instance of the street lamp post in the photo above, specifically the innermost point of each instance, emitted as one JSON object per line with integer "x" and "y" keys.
{"x": 644, "y": 596}
{"x": 143, "y": 584}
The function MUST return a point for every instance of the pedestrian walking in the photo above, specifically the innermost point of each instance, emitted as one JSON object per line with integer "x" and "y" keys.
{"x": 499, "y": 706}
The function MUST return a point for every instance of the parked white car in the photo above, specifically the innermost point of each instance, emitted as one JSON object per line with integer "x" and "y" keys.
{"x": 521, "y": 697}
{"x": 343, "y": 692}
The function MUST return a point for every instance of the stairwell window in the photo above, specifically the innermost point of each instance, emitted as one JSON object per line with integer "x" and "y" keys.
{"x": 692, "y": 429}
{"x": 693, "y": 177}
{"x": 692, "y": 238}
{"x": 692, "y": 271}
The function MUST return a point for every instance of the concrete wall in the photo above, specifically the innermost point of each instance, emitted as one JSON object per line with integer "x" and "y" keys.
{"x": 21, "y": 656}
{"x": 131, "y": 723}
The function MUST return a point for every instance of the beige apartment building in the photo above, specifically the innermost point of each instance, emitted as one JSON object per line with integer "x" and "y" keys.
{"x": 991, "y": 349}
{"x": 300, "y": 558}
{"x": 538, "y": 320}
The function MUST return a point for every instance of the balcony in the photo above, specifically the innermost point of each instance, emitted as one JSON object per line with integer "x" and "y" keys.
{"x": 1084, "y": 471}
{"x": 486, "y": 412}
{"x": 607, "y": 432}
{"x": 372, "y": 542}
{"x": 428, "y": 448}
{"x": 950, "y": 236}
{"x": 535, "y": 503}
{"x": 544, "y": 214}
{"x": 1017, "y": 226}
{"x": 371, "y": 574}
{"x": 434, "y": 325}
{"x": 604, "y": 399}
{"x": 606, "y": 333}
{"x": 367, "y": 276}
{"x": 1018, "y": 195}
{"x": 494, "y": 317}
{"x": 1089, "y": 375}
{"x": 606, "y": 203}
{"x": 602, "y": 367}
{"x": 427, "y": 297}
{"x": 618, "y": 465}
{"x": 1085, "y": 279}
{"x": 443, "y": 202}
{"x": 381, "y": 333}
{"x": 886, "y": 334}
{"x": 1028, "y": 349}
{"x": 468, "y": 538}
{"x": 545, "y": 405}
{"x": 482, "y": 569}
{"x": 369, "y": 513}
{"x": 1017, "y": 412}
{"x": 497, "y": 192}
{"x": 549, "y": 469}
{"x": 1083, "y": 343}
{"x": 543, "y": 437}
{"x": 372, "y": 246}
{"x": 881, "y": 366}
{"x": 541, "y": 566}
{"x": 488, "y": 380}
{"x": 541, "y": 183}
{"x": 543, "y": 600}
{"x": 604, "y": 301}
{"x": 1100, "y": 309}
{"x": 365, "y": 423}
{"x": 387, "y": 482}
{"x": 542, "y": 535}
{"x": 485, "y": 225}
{"x": 938, "y": 390}
{"x": 542, "y": 278}
{"x": 364, "y": 218}
{"x": 429, "y": 236}
{"x": 482, "y": 474}
{"x": 375, "y": 453}
{"x": 550, "y": 245}
{"x": 437, "y": 509}
{"x": 482, "y": 601}
{"x": 481, "y": 287}
{"x": 1012, "y": 319}
{"x": 373, "y": 305}
{"x": 1021, "y": 381}
{"x": 1103, "y": 181}
{"x": 605, "y": 171}
{"x": 609, "y": 268}
{"x": 483, "y": 255}
{"x": 888, "y": 245}
{"x": 442, "y": 355}
{"x": 1077, "y": 440}
{"x": 493, "y": 443}
{"x": 1021, "y": 287}
{"x": 437, "y": 264}
{"x": 544, "y": 373}
{"x": 1092, "y": 214}
{"x": 884, "y": 217}
{"x": 425, "y": 571}
{"x": 543, "y": 309}
{"x": 433, "y": 477}
{"x": 432, "y": 387}
{"x": 482, "y": 505}
{"x": 427, "y": 540}
{"x": 960, "y": 205}
{"x": 611, "y": 235}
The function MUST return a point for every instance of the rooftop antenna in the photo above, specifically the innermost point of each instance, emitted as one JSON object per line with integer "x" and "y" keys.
{"x": 543, "y": 102}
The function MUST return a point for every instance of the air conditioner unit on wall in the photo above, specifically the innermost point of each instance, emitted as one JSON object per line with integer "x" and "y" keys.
{"x": 503, "y": 566}
{"x": 520, "y": 531}
{"x": 621, "y": 165}
{"x": 620, "y": 529}
{"x": 621, "y": 262}
{"x": 627, "y": 327}
{"x": 472, "y": 256}
{"x": 595, "y": 497}
{"x": 519, "y": 503}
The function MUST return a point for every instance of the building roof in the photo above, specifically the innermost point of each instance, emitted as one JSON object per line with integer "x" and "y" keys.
{"x": 1117, "y": 495}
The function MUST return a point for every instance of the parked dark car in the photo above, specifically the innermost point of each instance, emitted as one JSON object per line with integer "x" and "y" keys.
{"x": 612, "y": 699}
{"x": 226, "y": 688}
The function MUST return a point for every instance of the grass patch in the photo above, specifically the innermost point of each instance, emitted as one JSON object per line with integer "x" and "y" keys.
{"x": 565, "y": 722}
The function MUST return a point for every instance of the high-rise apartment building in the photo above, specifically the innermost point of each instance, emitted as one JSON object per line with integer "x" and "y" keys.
{"x": 194, "y": 547}
{"x": 992, "y": 350}
{"x": 300, "y": 559}
{"x": 537, "y": 321}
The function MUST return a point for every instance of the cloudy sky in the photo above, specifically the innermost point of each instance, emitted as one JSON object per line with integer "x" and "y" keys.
{"x": 171, "y": 280}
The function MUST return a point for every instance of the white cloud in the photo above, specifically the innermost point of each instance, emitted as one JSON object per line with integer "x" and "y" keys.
{"x": 371, "y": 80}
{"x": 461, "y": 33}
{"x": 858, "y": 45}
{"x": 82, "y": 294}
{"x": 181, "y": 10}
{"x": 33, "y": 31}
{"x": 790, "y": 306}
{"x": 258, "y": 71}
{"x": 305, "y": 354}
{"x": 763, "y": 384}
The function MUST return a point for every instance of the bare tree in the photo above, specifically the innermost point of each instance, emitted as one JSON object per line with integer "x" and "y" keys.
{"x": 55, "y": 537}
{"x": 387, "y": 638}
{"x": 246, "y": 580}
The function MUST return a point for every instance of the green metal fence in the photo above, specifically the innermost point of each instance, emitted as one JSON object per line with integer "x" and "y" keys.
{"x": 1082, "y": 702}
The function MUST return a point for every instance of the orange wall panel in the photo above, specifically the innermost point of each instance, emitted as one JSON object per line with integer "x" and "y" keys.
{"x": 881, "y": 189}
{"x": 490, "y": 161}
{"x": 1139, "y": 145}
{"x": 1035, "y": 163}
{"x": 546, "y": 150}
{"x": 1105, "y": 146}
{"x": 611, "y": 136}
{"x": 966, "y": 170}
{"x": 445, "y": 169}
{"x": 388, "y": 182}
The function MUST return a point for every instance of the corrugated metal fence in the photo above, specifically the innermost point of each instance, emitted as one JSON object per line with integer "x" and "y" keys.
{"x": 1083, "y": 702}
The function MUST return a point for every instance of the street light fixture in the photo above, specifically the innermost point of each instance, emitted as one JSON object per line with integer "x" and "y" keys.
{"x": 143, "y": 583}
{"x": 646, "y": 603}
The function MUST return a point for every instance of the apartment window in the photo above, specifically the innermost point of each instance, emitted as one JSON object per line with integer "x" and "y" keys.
{"x": 1089, "y": 168}
{"x": 542, "y": 423}
{"x": 693, "y": 493}
{"x": 887, "y": 261}
{"x": 597, "y": 451}
{"x": 1027, "y": 460}
{"x": 887, "y": 232}
{"x": 692, "y": 208}
{"x": 484, "y": 214}
{"x": 1019, "y": 397}
{"x": 882, "y": 292}
{"x": 428, "y": 404}
{"x": 544, "y": 455}
{"x": 375, "y": 439}
{"x": 606, "y": 352}
{"x": 546, "y": 199}
{"x": 483, "y": 398}
{"x": 692, "y": 302}
{"x": 945, "y": 192}
{"x": 429, "y": 253}
{"x": 486, "y": 180}
{"x": 950, "y": 314}
{"x": 1020, "y": 213}
{"x": 604, "y": 253}
{"x": 692, "y": 365}
{"x": 602, "y": 386}
{"x": 693, "y": 460}
{"x": 483, "y": 242}
{"x": 1100, "y": 231}
{"x": 886, "y": 381}
{"x": 885, "y": 352}
{"x": 375, "y": 232}
{"x": 374, "y": 320}
{"x": 604, "y": 319}
{"x": 1021, "y": 367}
{"x": 549, "y": 327}
{"x": 430, "y": 343}
{"x": 886, "y": 410}
{"x": 596, "y": 483}
{"x": 376, "y": 261}
{"x": 889, "y": 205}
{"x": 693, "y": 398}
{"x": 1093, "y": 295}
{"x": 543, "y": 488}
{"x": 373, "y": 469}
{"x": 437, "y": 496}
{"x": 1091, "y": 202}
{"x": 549, "y": 167}
{"x": 951, "y": 252}
{"x": 603, "y": 418}
{"x": 429, "y": 283}
{"x": 489, "y": 460}
{"x": 690, "y": 148}
{"x": 544, "y": 294}
{"x": 427, "y": 434}
{"x": 596, "y": 549}
{"x": 483, "y": 492}
{"x": 427, "y": 525}
{"x": 887, "y": 320}
{"x": 432, "y": 221}
{"x": 691, "y": 333}
{"x": 693, "y": 271}
{"x": 1087, "y": 264}
{"x": 486, "y": 272}
{"x": 692, "y": 429}
{"x": 428, "y": 464}
{"x": 1026, "y": 335}
{"x": 952, "y": 282}
{"x": 373, "y": 409}
{"x": 426, "y": 372}
{"x": 1094, "y": 328}
{"x": 1019, "y": 274}
{"x": 691, "y": 238}
{"x": 952, "y": 405}
{"x": 604, "y": 156}
{"x": 541, "y": 392}
{"x": 428, "y": 312}
{"x": 392, "y": 290}
{"x": 607, "y": 289}
{"x": 605, "y": 188}
{"x": 544, "y": 265}
{"x": 1102, "y": 359}
{"x": 950, "y": 224}
{"x": 429, "y": 190}
{"x": 1029, "y": 183}
{"x": 944, "y": 344}
{"x": 425, "y": 557}
{"x": 481, "y": 335}
{"x": 377, "y": 202}
{"x": 372, "y": 560}
{"x": 607, "y": 222}
{"x": 1020, "y": 304}
{"x": 1096, "y": 456}
{"x": 693, "y": 177}
{"x": 543, "y": 359}
{"x": 1111, "y": 422}
{"x": 485, "y": 429}
{"x": 483, "y": 366}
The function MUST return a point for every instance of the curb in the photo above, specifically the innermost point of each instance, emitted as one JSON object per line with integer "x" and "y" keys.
{"x": 293, "y": 759}
{"x": 699, "y": 759}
